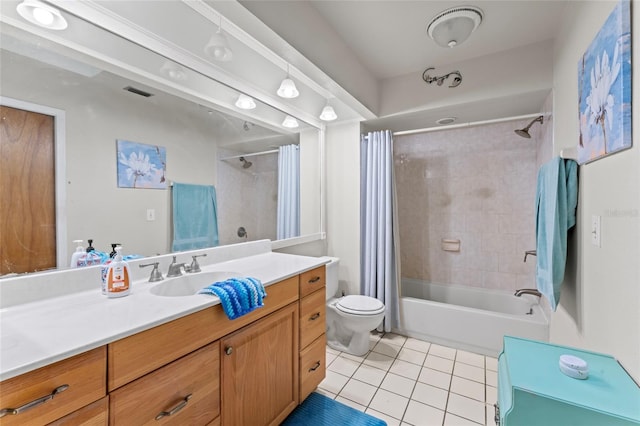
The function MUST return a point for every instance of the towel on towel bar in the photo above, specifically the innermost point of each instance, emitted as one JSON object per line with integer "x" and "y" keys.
{"x": 556, "y": 201}
{"x": 238, "y": 296}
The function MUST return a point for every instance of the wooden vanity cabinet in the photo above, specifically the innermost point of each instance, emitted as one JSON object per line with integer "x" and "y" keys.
{"x": 94, "y": 414}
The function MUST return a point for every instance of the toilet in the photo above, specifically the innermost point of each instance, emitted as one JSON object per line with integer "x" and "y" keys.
{"x": 350, "y": 319}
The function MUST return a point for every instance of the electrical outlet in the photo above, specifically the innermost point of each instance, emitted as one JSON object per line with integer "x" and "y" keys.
{"x": 595, "y": 230}
{"x": 151, "y": 215}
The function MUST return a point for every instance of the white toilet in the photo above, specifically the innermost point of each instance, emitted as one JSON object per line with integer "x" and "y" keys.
{"x": 350, "y": 319}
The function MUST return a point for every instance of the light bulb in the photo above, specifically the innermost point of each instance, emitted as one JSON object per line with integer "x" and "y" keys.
{"x": 43, "y": 16}
{"x": 290, "y": 122}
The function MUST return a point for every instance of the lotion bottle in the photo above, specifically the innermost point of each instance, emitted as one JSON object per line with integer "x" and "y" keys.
{"x": 78, "y": 257}
{"x": 118, "y": 276}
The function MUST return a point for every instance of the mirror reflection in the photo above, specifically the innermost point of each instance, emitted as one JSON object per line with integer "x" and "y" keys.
{"x": 233, "y": 151}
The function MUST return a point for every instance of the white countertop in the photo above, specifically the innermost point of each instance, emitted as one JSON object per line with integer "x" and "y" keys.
{"x": 41, "y": 332}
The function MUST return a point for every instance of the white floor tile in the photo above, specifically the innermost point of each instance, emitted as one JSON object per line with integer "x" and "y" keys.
{"x": 389, "y": 403}
{"x": 492, "y": 378}
{"x": 430, "y": 395}
{"x": 330, "y": 357}
{"x": 380, "y": 361}
{"x": 398, "y": 384}
{"x": 414, "y": 357}
{"x": 344, "y": 366}
{"x": 491, "y": 363}
{"x": 351, "y": 404}
{"x": 385, "y": 348}
{"x": 439, "y": 363}
{"x": 435, "y": 378}
{"x": 491, "y": 415}
{"x": 442, "y": 351}
{"x": 419, "y": 414}
{"x": 326, "y": 393}
{"x": 405, "y": 369}
{"x": 366, "y": 373}
{"x": 332, "y": 351}
{"x": 358, "y": 359}
{"x": 453, "y": 420}
{"x": 333, "y": 382}
{"x": 417, "y": 345}
{"x": 466, "y": 407}
{"x": 394, "y": 339}
{"x": 357, "y": 391}
{"x": 468, "y": 388}
{"x": 470, "y": 358}
{"x": 468, "y": 372}
{"x": 388, "y": 419}
{"x": 492, "y": 395}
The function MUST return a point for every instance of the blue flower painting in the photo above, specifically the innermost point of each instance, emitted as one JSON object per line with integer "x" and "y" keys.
{"x": 604, "y": 78}
{"x": 141, "y": 166}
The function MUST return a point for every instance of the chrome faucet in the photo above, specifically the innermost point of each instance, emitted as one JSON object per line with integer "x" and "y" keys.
{"x": 156, "y": 275}
{"x": 522, "y": 291}
{"x": 175, "y": 269}
{"x": 195, "y": 266}
{"x": 529, "y": 252}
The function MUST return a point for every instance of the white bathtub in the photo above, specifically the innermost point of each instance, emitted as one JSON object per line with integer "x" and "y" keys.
{"x": 468, "y": 318}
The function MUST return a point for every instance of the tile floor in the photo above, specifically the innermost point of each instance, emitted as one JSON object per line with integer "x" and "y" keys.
{"x": 405, "y": 381}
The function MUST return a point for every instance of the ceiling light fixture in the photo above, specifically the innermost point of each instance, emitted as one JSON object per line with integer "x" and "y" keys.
{"x": 290, "y": 122}
{"x": 42, "y": 15}
{"x": 453, "y": 26}
{"x": 173, "y": 71}
{"x": 288, "y": 89}
{"x": 328, "y": 113}
{"x": 218, "y": 46}
{"x": 245, "y": 102}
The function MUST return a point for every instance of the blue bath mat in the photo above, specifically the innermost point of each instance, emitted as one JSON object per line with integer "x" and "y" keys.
{"x": 318, "y": 410}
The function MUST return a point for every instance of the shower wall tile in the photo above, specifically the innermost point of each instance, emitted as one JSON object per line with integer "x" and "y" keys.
{"x": 472, "y": 184}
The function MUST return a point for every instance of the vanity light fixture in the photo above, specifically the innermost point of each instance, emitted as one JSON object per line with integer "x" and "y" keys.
{"x": 218, "y": 46}
{"x": 290, "y": 122}
{"x": 42, "y": 14}
{"x": 452, "y": 27}
{"x": 245, "y": 102}
{"x": 328, "y": 113}
{"x": 288, "y": 89}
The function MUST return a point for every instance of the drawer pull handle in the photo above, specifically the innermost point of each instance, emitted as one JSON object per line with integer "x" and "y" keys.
{"x": 228, "y": 350}
{"x": 314, "y": 280}
{"x": 34, "y": 403}
{"x": 315, "y": 366}
{"x": 314, "y": 316}
{"x": 175, "y": 409}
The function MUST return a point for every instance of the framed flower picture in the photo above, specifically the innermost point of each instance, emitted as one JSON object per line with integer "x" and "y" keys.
{"x": 140, "y": 165}
{"x": 604, "y": 79}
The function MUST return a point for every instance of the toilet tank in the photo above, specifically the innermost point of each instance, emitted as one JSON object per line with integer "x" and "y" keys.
{"x": 332, "y": 275}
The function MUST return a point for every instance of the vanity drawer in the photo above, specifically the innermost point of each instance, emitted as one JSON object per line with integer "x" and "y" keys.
{"x": 187, "y": 391}
{"x": 137, "y": 355}
{"x": 94, "y": 414}
{"x": 84, "y": 374}
{"x": 312, "y": 366}
{"x": 312, "y": 317}
{"x": 312, "y": 280}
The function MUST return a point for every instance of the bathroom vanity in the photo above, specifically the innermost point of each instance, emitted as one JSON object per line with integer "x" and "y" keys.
{"x": 195, "y": 367}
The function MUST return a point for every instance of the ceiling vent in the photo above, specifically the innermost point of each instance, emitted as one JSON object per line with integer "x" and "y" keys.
{"x": 138, "y": 91}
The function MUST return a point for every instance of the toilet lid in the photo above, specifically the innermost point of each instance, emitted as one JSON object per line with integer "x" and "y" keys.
{"x": 360, "y": 305}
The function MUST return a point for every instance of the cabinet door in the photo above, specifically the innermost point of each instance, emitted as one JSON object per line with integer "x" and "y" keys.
{"x": 259, "y": 368}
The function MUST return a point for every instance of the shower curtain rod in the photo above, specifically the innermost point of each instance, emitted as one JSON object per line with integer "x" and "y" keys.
{"x": 251, "y": 154}
{"x": 469, "y": 124}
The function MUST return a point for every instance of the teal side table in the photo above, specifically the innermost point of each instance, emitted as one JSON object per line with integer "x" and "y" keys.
{"x": 533, "y": 391}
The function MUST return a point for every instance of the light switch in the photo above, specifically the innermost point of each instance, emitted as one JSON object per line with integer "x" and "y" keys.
{"x": 595, "y": 230}
{"x": 151, "y": 215}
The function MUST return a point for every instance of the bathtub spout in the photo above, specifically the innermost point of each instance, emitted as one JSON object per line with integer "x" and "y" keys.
{"x": 522, "y": 291}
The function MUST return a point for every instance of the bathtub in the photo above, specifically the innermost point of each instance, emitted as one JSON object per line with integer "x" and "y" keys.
{"x": 468, "y": 318}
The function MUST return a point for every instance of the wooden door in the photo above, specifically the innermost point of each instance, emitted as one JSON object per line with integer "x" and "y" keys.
{"x": 27, "y": 191}
{"x": 259, "y": 367}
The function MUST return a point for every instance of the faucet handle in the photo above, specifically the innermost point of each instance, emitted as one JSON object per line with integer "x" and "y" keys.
{"x": 156, "y": 275}
{"x": 195, "y": 266}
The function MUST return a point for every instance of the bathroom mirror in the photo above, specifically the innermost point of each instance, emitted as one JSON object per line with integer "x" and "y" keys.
{"x": 188, "y": 114}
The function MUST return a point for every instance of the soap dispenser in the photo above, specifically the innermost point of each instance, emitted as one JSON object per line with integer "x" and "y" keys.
{"x": 118, "y": 276}
{"x": 78, "y": 257}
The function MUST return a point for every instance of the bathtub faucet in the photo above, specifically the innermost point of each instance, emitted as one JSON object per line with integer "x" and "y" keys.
{"x": 522, "y": 291}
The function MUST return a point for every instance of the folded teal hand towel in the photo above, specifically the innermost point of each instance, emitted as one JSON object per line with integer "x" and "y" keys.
{"x": 238, "y": 296}
{"x": 195, "y": 217}
{"x": 556, "y": 201}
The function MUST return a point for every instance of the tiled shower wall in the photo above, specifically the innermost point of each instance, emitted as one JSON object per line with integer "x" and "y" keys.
{"x": 476, "y": 185}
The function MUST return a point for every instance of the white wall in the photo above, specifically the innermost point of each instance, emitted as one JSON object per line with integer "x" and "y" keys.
{"x": 601, "y": 308}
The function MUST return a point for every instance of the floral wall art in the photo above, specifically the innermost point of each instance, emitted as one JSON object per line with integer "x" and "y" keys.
{"x": 604, "y": 78}
{"x": 141, "y": 166}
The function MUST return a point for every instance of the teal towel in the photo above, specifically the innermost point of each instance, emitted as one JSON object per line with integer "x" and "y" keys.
{"x": 195, "y": 217}
{"x": 238, "y": 296}
{"x": 556, "y": 201}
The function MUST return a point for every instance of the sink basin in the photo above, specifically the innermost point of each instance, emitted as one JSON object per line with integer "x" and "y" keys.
{"x": 190, "y": 284}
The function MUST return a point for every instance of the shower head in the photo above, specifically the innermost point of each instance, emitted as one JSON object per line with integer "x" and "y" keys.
{"x": 525, "y": 132}
{"x": 246, "y": 164}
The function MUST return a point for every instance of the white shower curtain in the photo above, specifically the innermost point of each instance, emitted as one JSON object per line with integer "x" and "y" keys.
{"x": 379, "y": 236}
{"x": 288, "y": 219}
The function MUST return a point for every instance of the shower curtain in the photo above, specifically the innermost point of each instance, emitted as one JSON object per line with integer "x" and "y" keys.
{"x": 288, "y": 214}
{"x": 379, "y": 235}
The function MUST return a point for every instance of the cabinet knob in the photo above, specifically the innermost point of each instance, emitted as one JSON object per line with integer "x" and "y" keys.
{"x": 228, "y": 350}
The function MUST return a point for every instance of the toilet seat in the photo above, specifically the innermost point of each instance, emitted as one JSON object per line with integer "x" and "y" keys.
{"x": 360, "y": 305}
